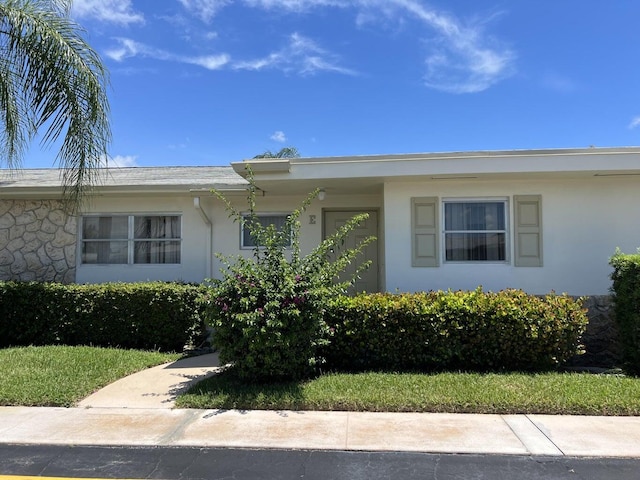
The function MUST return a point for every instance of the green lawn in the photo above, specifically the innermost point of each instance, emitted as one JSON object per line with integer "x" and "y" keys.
{"x": 61, "y": 376}
{"x": 552, "y": 393}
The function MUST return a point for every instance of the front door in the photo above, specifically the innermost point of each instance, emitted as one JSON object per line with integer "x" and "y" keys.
{"x": 368, "y": 281}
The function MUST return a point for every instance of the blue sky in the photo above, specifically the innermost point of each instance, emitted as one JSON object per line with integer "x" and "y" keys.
{"x": 207, "y": 82}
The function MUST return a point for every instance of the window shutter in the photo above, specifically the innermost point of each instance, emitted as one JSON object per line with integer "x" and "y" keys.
{"x": 424, "y": 232}
{"x": 528, "y": 230}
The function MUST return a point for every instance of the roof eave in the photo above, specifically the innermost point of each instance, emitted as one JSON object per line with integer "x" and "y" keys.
{"x": 262, "y": 165}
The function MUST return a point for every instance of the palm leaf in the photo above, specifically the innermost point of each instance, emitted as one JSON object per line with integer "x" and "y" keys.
{"x": 52, "y": 80}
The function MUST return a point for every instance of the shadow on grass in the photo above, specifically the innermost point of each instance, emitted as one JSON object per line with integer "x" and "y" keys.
{"x": 226, "y": 391}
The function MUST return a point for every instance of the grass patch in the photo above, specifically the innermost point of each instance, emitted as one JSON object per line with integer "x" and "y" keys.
{"x": 62, "y": 376}
{"x": 550, "y": 393}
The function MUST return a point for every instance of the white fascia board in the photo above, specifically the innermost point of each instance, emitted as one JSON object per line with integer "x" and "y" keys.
{"x": 594, "y": 161}
{"x": 261, "y": 165}
{"x": 30, "y": 192}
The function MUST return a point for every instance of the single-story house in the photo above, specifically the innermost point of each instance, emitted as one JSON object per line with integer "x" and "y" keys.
{"x": 538, "y": 220}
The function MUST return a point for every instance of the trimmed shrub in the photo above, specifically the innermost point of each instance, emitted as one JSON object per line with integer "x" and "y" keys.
{"x": 474, "y": 330}
{"x": 31, "y": 313}
{"x": 626, "y": 294}
{"x": 151, "y": 316}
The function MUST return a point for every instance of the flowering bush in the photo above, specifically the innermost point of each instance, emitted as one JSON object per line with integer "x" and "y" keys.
{"x": 268, "y": 310}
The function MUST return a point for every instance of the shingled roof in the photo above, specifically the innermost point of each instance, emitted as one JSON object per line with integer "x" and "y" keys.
{"x": 128, "y": 178}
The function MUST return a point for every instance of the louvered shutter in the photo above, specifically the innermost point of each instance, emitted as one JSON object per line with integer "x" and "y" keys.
{"x": 528, "y": 230}
{"x": 424, "y": 232}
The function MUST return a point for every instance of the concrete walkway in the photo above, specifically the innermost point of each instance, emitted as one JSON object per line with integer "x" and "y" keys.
{"x": 156, "y": 387}
{"x": 138, "y": 411}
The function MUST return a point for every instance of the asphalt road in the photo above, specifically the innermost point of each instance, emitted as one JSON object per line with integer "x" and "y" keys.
{"x": 238, "y": 464}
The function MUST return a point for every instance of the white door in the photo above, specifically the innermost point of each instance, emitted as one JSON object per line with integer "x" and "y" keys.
{"x": 368, "y": 281}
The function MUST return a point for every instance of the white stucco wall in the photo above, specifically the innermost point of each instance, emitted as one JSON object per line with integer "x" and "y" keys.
{"x": 199, "y": 242}
{"x": 583, "y": 221}
{"x": 226, "y": 234}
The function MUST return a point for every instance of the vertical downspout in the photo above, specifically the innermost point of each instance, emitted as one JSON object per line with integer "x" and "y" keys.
{"x": 207, "y": 221}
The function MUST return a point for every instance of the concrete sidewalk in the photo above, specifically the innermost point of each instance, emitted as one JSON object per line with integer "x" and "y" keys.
{"x": 156, "y": 387}
{"x": 138, "y": 411}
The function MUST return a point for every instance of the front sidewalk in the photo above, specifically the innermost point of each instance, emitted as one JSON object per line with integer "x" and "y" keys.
{"x": 545, "y": 435}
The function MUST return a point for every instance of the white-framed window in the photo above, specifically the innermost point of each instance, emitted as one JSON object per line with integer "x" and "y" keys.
{"x": 278, "y": 220}
{"x": 131, "y": 239}
{"x": 475, "y": 230}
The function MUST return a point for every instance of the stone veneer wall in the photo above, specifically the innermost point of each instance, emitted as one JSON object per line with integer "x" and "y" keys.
{"x": 37, "y": 241}
{"x": 601, "y": 338}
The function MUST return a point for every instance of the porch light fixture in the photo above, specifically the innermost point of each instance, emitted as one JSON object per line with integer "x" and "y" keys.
{"x": 322, "y": 194}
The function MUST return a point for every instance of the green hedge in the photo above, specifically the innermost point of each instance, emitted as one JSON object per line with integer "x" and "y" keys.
{"x": 151, "y": 316}
{"x": 626, "y": 293}
{"x": 474, "y": 330}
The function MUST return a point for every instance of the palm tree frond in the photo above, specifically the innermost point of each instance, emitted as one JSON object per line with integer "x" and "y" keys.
{"x": 285, "y": 152}
{"x": 51, "y": 79}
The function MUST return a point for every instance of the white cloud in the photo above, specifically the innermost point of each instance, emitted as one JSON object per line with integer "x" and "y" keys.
{"x": 462, "y": 59}
{"x": 210, "y": 62}
{"x": 122, "y": 161}
{"x": 302, "y": 55}
{"x": 111, "y": 11}
{"x": 300, "y": 5}
{"x": 460, "y": 56}
{"x": 119, "y": 161}
{"x": 204, "y": 9}
{"x": 130, "y": 48}
{"x": 635, "y": 122}
{"x": 279, "y": 136}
